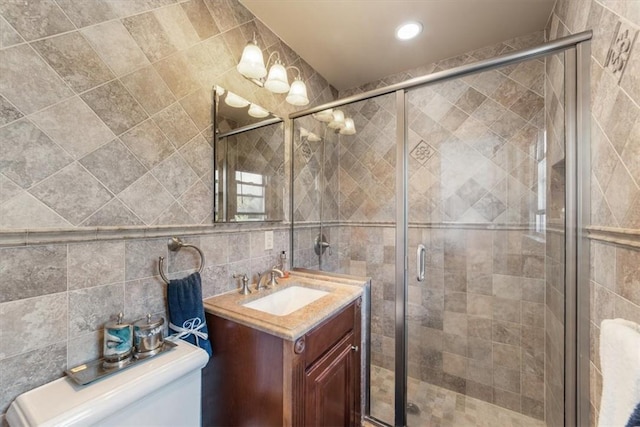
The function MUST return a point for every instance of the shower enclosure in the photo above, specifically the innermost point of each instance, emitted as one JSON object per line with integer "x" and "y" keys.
{"x": 462, "y": 195}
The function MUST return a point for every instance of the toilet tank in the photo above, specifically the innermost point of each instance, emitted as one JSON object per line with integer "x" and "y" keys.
{"x": 161, "y": 391}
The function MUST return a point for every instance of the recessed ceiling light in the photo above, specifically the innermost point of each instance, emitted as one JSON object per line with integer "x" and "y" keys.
{"x": 408, "y": 30}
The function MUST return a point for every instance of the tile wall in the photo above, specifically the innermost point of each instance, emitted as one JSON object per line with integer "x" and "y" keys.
{"x": 105, "y": 122}
{"x": 615, "y": 157}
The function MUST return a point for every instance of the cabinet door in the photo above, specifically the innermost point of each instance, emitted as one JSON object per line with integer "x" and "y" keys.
{"x": 330, "y": 387}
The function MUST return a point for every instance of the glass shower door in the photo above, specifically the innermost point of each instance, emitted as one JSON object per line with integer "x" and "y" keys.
{"x": 486, "y": 198}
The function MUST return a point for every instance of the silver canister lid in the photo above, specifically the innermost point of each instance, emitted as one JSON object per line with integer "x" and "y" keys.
{"x": 148, "y": 322}
{"x": 117, "y": 324}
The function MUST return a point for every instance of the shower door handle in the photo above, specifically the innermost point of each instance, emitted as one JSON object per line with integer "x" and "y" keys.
{"x": 420, "y": 261}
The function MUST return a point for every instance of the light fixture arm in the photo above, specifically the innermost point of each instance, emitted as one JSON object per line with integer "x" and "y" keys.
{"x": 275, "y": 52}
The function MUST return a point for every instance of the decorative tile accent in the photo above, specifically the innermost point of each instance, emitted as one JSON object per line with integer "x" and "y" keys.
{"x": 82, "y": 197}
{"x": 620, "y": 49}
{"x": 422, "y": 152}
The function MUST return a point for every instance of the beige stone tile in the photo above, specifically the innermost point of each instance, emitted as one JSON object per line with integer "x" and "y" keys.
{"x": 200, "y": 18}
{"x": 8, "y": 113}
{"x": 115, "y": 106}
{"x": 146, "y": 198}
{"x": 84, "y": 348}
{"x": 149, "y": 89}
{"x": 116, "y": 47}
{"x": 192, "y": 200}
{"x": 29, "y": 156}
{"x": 175, "y": 214}
{"x": 114, "y": 165}
{"x": 150, "y": 36}
{"x": 83, "y": 13}
{"x": 113, "y": 213}
{"x": 621, "y": 120}
{"x": 176, "y": 73}
{"x": 94, "y": 264}
{"x": 73, "y": 126}
{"x": 177, "y": 26}
{"x": 621, "y": 192}
{"x": 198, "y": 106}
{"x": 175, "y": 175}
{"x": 74, "y": 60}
{"x": 176, "y": 125}
{"x": 29, "y": 370}
{"x": 28, "y": 82}
{"x": 141, "y": 257}
{"x": 35, "y": 20}
{"x": 91, "y": 308}
{"x": 628, "y": 274}
{"x": 32, "y": 323}
{"x": 8, "y": 36}
{"x": 148, "y": 144}
{"x": 144, "y": 296}
{"x": 25, "y": 211}
{"x": 220, "y": 53}
{"x": 8, "y": 189}
{"x": 506, "y": 332}
{"x": 199, "y": 154}
{"x": 83, "y": 194}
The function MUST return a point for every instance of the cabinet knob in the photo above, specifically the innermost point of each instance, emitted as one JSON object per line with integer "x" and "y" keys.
{"x": 354, "y": 348}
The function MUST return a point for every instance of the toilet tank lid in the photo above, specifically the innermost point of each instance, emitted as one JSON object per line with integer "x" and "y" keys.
{"x": 63, "y": 402}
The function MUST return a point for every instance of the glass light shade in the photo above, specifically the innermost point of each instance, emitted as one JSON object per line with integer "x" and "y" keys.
{"x": 298, "y": 93}
{"x": 408, "y": 30}
{"x": 324, "y": 115}
{"x": 235, "y": 101}
{"x": 277, "y": 81}
{"x": 257, "y": 111}
{"x": 220, "y": 90}
{"x": 313, "y": 137}
{"x": 338, "y": 120}
{"x": 252, "y": 62}
{"x": 304, "y": 133}
{"x": 349, "y": 127}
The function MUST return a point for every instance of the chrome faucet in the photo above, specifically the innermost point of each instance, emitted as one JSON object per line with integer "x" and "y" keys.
{"x": 272, "y": 281}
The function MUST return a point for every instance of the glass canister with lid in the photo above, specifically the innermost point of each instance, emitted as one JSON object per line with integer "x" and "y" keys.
{"x": 148, "y": 336}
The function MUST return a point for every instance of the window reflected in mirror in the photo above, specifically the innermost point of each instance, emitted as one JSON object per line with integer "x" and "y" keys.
{"x": 249, "y": 161}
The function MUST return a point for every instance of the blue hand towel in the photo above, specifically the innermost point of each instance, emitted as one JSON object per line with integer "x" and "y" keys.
{"x": 634, "y": 421}
{"x": 186, "y": 312}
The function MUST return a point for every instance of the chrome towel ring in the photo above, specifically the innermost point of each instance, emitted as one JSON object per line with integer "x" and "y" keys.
{"x": 175, "y": 244}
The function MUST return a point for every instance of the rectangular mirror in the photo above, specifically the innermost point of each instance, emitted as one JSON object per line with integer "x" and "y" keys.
{"x": 249, "y": 161}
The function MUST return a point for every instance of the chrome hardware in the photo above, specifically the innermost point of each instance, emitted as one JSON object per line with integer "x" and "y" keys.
{"x": 321, "y": 244}
{"x": 354, "y": 348}
{"x": 272, "y": 281}
{"x": 245, "y": 284}
{"x": 420, "y": 260}
{"x": 175, "y": 244}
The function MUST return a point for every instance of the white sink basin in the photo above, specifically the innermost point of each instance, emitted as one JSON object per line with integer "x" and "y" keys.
{"x": 286, "y": 301}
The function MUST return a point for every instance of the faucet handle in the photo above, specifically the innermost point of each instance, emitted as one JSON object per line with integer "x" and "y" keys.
{"x": 245, "y": 284}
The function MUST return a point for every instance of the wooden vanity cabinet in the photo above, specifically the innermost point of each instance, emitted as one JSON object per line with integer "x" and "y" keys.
{"x": 258, "y": 379}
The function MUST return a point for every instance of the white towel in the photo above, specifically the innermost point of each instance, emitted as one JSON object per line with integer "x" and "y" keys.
{"x": 620, "y": 361}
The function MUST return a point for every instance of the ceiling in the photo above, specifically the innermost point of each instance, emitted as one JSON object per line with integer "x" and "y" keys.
{"x": 352, "y": 42}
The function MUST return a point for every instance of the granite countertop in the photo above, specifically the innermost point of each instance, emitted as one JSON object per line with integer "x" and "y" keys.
{"x": 342, "y": 291}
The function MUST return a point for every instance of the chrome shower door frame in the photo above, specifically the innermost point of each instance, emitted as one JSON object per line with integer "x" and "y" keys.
{"x": 576, "y": 49}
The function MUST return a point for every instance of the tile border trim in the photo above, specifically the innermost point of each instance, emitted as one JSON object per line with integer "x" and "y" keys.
{"x": 619, "y": 236}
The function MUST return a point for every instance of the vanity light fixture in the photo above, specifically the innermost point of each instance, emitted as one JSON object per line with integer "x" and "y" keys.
{"x": 252, "y": 66}
{"x": 257, "y": 111}
{"x": 336, "y": 119}
{"x": 408, "y": 30}
{"x": 235, "y": 101}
